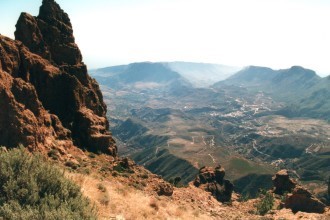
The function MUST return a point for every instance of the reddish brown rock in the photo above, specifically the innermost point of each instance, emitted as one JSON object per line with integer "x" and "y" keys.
{"x": 212, "y": 180}
{"x": 283, "y": 183}
{"x": 302, "y": 200}
{"x": 164, "y": 189}
{"x": 298, "y": 198}
{"x": 23, "y": 120}
{"x": 49, "y": 35}
{"x": 44, "y": 83}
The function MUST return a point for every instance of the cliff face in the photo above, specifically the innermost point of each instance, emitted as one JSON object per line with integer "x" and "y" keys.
{"x": 46, "y": 93}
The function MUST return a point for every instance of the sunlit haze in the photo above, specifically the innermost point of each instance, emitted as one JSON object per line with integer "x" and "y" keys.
{"x": 273, "y": 33}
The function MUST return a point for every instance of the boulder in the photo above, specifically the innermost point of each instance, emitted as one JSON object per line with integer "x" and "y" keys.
{"x": 212, "y": 180}
{"x": 302, "y": 200}
{"x": 164, "y": 189}
{"x": 298, "y": 198}
{"x": 283, "y": 183}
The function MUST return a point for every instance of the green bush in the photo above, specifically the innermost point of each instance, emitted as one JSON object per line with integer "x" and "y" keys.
{"x": 265, "y": 204}
{"x": 31, "y": 188}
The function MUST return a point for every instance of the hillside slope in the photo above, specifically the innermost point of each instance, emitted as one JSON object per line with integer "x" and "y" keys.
{"x": 305, "y": 93}
{"x": 139, "y": 76}
{"x": 50, "y": 105}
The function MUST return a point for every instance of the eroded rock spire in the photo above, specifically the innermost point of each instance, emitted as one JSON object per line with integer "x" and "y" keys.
{"x": 49, "y": 65}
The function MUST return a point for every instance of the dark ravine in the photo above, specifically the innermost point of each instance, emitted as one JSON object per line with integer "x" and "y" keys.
{"x": 45, "y": 87}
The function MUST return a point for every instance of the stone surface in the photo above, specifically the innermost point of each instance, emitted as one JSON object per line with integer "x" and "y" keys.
{"x": 49, "y": 35}
{"x": 46, "y": 92}
{"x": 164, "y": 189}
{"x": 212, "y": 180}
{"x": 23, "y": 120}
{"x": 283, "y": 183}
{"x": 297, "y": 198}
{"x": 302, "y": 200}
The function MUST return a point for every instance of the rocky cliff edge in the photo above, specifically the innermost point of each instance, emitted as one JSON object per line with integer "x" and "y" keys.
{"x": 47, "y": 98}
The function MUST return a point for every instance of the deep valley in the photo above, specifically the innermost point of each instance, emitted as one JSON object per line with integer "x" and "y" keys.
{"x": 173, "y": 127}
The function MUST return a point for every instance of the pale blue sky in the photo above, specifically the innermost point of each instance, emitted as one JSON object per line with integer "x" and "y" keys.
{"x": 274, "y": 33}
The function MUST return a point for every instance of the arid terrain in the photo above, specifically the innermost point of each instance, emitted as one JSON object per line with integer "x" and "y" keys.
{"x": 233, "y": 125}
{"x": 147, "y": 143}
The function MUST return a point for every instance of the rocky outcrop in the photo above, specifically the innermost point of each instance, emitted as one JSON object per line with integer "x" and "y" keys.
{"x": 46, "y": 92}
{"x": 49, "y": 35}
{"x": 283, "y": 183}
{"x": 302, "y": 200}
{"x": 297, "y": 198}
{"x": 23, "y": 120}
{"x": 164, "y": 189}
{"x": 212, "y": 180}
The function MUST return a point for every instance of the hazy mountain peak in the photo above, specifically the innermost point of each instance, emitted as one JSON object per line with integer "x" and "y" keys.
{"x": 299, "y": 70}
{"x": 203, "y": 74}
{"x": 197, "y": 74}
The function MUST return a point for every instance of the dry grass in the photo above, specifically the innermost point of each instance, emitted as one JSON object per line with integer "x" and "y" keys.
{"x": 118, "y": 199}
{"x": 154, "y": 204}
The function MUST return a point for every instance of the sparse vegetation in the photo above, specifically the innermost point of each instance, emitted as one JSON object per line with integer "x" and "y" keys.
{"x": 176, "y": 181}
{"x": 101, "y": 187}
{"x": 71, "y": 164}
{"x": 31, "y": 188}
{"x": 119, "y": 168}
{"x": 283, "y": 197}
{"x": 91, "y": 155}
{"x": 53, "y": 153}
{"x": 244, "y": 197}
{"x": 266, "y": 203}
{"x": 154, "y": 204}
{"x": 105, "y": 169}
{"x": 144, "y": 176}
{"x": 85, "y": 171}
{"x": 105, "y": 199}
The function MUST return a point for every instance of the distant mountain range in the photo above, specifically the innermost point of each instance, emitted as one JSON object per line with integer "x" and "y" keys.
{"x": 196, "y": 74}
{"x": 280, "y": 83}
{"x": 304, "y": 92}
{"x": 140, "y": 76}
{"x": 174, "y": 118}
{"x": 203, "y": 74}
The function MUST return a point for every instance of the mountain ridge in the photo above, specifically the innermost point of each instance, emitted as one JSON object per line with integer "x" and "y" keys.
{"x": 301, "y": 89}
{"x": 200, "y": 75}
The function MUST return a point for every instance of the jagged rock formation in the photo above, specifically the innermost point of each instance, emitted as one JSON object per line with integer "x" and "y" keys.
{"x": 23, "y": 120}
{"x": 302, "y": 200}
{"x": 164, "y": 189}
{"x": 298, "y": 198}
{"x": 212, "y": 180}
{"x": 46, "y": 93}
{"x": 283, "y": 183}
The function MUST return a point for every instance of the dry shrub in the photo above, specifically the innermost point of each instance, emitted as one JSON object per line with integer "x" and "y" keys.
{"x": 154, "y": 204}
{"x": 31, "y": 188}
{"x": 105, "y": 199}
{"x": 101, "y": 187}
